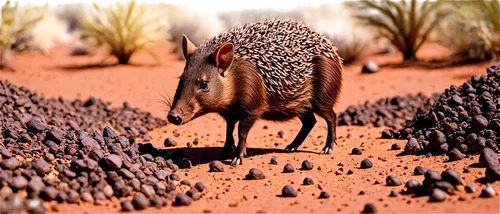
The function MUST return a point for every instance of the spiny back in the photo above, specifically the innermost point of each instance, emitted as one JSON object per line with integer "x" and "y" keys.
{"x": 282, "y": 50}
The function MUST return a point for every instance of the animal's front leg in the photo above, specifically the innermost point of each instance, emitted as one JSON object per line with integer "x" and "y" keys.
{"x": 243, "y": 129}
{"x": 228, "y": 151}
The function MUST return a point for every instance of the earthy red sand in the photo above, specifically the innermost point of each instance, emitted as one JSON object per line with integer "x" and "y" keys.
{"x": 143, "y": 83}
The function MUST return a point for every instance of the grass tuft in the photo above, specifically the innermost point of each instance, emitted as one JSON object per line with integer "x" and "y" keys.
{"x": 125, "y": 29}
{"x": 407, "y": 24}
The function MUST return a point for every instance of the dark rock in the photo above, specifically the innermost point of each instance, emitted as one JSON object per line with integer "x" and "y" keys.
{"x": 308, "y": 181}
{"x": 126, "y": 206}
{"x": 40, "y": 166}
{"x": 186, "y": 183}
{"x": 369, "y": 208}
{"x": 366, "y": 164}
{"x": 108, "y": 132}
{"x": 411, "y": 185}
{"x": 255, "y": 174}
{"x": 492, "y": 173}
{"x": 469, "y": 188}
{"x": 356, "y": 151}
{"x": 194, "y": 194}
{"x": 488, "y": 157}
{"x": 49, "y": 193}
{"x": 479, "y": 123}
{"x": 393, "y": 181}
{"x": 34, "y": 206}
{"x": 140, "y": 201}
{"x": 307, "y": 165}
{"x": 200, "y": 186}
{"x": 288, "y": 168}
{"x": 370, "y": 67}
{"x": 216, "y": 166}
{"x": 169, "y": 142}
{"x": 18, "y": 183}
{"x": 393, "y": 193}
{"x": 9, "y": 164}
{"x": 487, "y": 192}
{"x": 36, "y": 126}
{"x": 455, "y": 155}
{"x": 288, "y": 191}
{"x": 324, "y": 194}
{"x": 113, "y": 161}
{"x": 451, "y": 176}
{"x": 274, "y": 160}
{"x": 395, "y": 146}
{"x": 437, "y": 195}
{"x": 183, "y": 199}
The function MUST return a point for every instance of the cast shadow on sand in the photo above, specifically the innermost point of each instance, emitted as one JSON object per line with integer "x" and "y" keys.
{"x": 203, "y": 155}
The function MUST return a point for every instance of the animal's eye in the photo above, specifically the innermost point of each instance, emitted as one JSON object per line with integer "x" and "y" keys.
{"x": 204, "y": 85}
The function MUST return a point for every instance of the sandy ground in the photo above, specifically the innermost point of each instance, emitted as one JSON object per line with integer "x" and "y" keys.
{"x": 142, "y": 84}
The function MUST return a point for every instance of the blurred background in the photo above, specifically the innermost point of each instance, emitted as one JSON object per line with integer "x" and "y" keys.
{"x": 469, "y": 29}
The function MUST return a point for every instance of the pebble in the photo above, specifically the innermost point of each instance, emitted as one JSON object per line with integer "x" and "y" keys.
{"x": 216, "y": 166}
{"x": 147, "y": 190}
{"x": 186, "y": 183}
{"x": 356, "y": 151}
{"x": 324, "y": 194}
{"x": 87, "y": 197}
{"x": 274, "y": 160}
{"x": 487, "y": 192}
{"x": 393, "y": 193}
{"x": 183, "y": 199}
{"x": 34, "y": 206}
{"x": 49, "y": 193}
{"x": 157, "y": 201}
{"x": 392, "y": 180}
{"x": 492, "y": 173}
{"x": 308, "y": 181}
{"x": 113, "y": 162}
{"x": 200, "y": 186}
{"x": 18, "y": 183}
{"x": 307, "y": 165}
{"x": 366, "y": 164}
{"x": 254, "y": 174}
{"x": 140, "y": 201}
{"x": 469, "y": 188}
{"x": 194, "y": 194}
{"x": 411, "y": 185}
{"x": 419, "y": 170}
{"x": 369, "y": 208}
{"x": 437, "y": 195}
{"x": 288, "y": 168}
{"x": 40, "y": 166}
{"x": 169, "y": 142}
{"x": 173, "y": 177}
{"x": 395, "y": 146}
{"x": 9, "y": 164}
{"x": 455, "y": 155}
{"x": 451, "y": 176}
{"x": 126, "y": 206}
{"x": 288, "y": 191}
{"x": 488, "y": 157}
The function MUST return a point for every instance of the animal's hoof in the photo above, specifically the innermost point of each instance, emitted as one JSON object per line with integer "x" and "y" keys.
{"x": 290, "y": 148}
{"x": 326, "y": 150}
{"x": 237, "y": 161}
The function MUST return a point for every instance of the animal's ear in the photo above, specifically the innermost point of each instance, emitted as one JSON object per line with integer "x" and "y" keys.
{"x": 188, "y": 47}
{"x": 223, "y": 56}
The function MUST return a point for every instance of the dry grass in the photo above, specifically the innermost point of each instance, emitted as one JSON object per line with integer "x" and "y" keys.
{"x": 125, "y": 29}
{"x": 407, "y": 24}
{"x": 351, "y": 40}
{"x": 473, "y": 32}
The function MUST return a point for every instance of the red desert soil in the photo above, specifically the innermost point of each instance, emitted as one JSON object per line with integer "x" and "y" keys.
{"x": 143, "y": 83}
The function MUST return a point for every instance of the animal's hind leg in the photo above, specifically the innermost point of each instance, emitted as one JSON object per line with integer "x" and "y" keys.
{"x": 331, "y": 121}
{"x": 308, "y": 120}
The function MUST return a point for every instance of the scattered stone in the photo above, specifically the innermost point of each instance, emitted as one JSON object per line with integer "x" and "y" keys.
{"x": 487, "y": 192}
{"x": 492, "y": 173}
{"x": 288, "y": 191}
{"x": 140, "y": 201}
{"x": 366, "y": 164}
{"x": 324, "y": 194}
{"x": 437, "y": 195}
{"x": 419, "y": 170}
{"x": 308, "y": 181}
{"x": 288, "y": 168}
{"x": 488, "y": 157}
{"x": 393, "y": 193}
{"x": 216, "y": 166}
{"x": 255, "y": 174}
{"x": 451, "y": 176}
{"x": 392, "y": 180}
{"x": 194, "y": 194}
{"x": 395, "y": 146}
{"x": 126, "y": 206}
{"x": 370, "y": 67}
{"x": 169, "y": 142}
{"x": 183, "y": 199}
{"x": 34, "y": 206}
{"x": 356, "y": 151}
{"x": 113, "y": 161}
{"x": 369, "y": 208}
{"x": 411, "y": 185}
{"x": 274, "y": 160}
{"x": 307, "y": 165}
{"x": 469, "y": 188}
{"x": 455, "y": 155}
{"x": 200, "y": 186}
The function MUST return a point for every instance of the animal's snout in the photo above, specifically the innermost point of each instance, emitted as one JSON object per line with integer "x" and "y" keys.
{"x": 174, "y": 118}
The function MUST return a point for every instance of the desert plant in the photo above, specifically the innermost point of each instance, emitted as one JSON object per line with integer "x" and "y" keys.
{"x": 407, "y": 24}
{"x": 350, "y": 41}
{"x": 197, "y": 25}
{"x": 473, "y": 31}
{"x": 16, "y": 23}
{"x": 125, "y": 29}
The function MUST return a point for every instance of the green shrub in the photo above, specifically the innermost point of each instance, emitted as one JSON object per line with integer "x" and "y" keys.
{"x": 407, "y": 24}
{"x": 125, "y": 29}
{"x": 473, "y": 31}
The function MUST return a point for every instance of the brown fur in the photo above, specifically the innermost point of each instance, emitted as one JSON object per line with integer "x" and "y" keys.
{"x": 238, "y": 94}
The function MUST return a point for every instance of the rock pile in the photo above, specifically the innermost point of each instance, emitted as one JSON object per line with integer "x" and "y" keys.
{"x": 391, "y": 111}
{"x": 56, "y": 150}
{"x": 464, "y": 120}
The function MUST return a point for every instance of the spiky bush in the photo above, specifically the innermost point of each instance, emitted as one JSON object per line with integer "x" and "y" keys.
{"x": 197, "y": 25}
{"x": 473, "y": 31}
{"x": 125, "y": 29}
{"x": 407, "y": 24}
{"x": 16, "y": 24}
{"x": 351, "y": 40}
